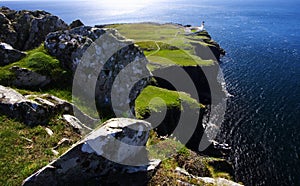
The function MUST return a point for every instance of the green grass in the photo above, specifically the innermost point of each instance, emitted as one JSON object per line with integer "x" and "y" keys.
{"x": 175, "y": 57}
{"x": 38, "y": 60}
{"x": 42, "y": 63}
{"x": 163, "y": 148}
{"x": 64, "y": 94}
{"x": 165, "y": 44}
{"x": 190, "y": 161}
{"x": 153, "y": 99}
{"x": 148, "y": 31}
{"x": 24, "y": 150}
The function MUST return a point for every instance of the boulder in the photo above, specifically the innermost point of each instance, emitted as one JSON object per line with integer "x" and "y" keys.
{"x": 8, "y": 54}
{"x": 25, "y": 30}
{"x": 101, "y": 158}
{"x": 25, "y": 78}
{"x": 40, "y": 27}
{"x": 76, "y": 23}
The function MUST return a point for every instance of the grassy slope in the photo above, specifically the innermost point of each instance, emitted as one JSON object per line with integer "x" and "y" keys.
{"x": 24, "y": 150}
{"x": 38, "y": 60}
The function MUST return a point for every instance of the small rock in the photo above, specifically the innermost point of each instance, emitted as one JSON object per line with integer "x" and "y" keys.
{"x": 182, "y": 171}
{"x": 216, "y": 149}
{"x": 55, "y": 152}
{"x": 29, "y": 140}
{"x": 49, "y": 131}
{"x": 9, "y": 55}
{"x": 77, "y": 125}
{"x": 64, "y": 141}
{"x": 182, "y": 183}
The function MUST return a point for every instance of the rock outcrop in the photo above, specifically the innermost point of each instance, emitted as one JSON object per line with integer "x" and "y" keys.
{"x": 68, "y": 46}
{"x": 76, "y": 23}
{"x": 88, "y": 162}
{"x": 32, "y": 110}
{"x": 25, "y": 30}
{"x": 26, "y": 78}
{"x": 203, "y": 169}
{"x": 37, "y": 109}
{"x": 101, "y": 55}
{"x": 8, "y": 54}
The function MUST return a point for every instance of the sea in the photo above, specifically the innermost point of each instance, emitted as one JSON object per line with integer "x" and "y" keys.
{"x": 261, "y": 70}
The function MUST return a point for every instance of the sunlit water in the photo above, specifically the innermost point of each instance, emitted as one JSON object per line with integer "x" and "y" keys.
{"x": 261, "y": 71}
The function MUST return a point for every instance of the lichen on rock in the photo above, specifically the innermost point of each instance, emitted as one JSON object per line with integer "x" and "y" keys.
{"x": 104, "y": 60}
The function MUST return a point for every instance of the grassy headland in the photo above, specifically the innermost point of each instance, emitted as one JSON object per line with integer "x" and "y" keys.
{"x": 166, "y": 44}
{"x": 27, "y": 149}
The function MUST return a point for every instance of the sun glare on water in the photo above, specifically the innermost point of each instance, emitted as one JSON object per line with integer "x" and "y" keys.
{"x": 117, "y": 7}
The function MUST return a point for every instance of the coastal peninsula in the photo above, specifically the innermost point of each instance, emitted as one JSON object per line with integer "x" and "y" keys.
{"x": 50, "y": 133}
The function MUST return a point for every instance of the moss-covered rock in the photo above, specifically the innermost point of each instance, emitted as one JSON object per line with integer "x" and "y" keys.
{"x": 34, "y": 71}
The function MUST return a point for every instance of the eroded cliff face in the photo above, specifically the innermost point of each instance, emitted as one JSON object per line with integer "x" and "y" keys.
{"x": 203, "y": 77}
{"x": 209, "y": 92}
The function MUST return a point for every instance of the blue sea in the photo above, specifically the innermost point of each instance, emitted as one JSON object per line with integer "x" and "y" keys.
{"x": 261, "y": 71}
